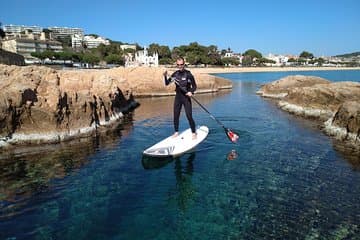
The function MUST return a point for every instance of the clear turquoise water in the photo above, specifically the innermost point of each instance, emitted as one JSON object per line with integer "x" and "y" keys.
{"x": 288, "y": 181}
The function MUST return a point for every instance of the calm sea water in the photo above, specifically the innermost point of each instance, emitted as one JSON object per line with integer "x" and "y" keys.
{"x": 287, "y": 181}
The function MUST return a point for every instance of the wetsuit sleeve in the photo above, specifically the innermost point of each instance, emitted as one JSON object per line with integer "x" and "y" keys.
{"x": 193, "y": 83}
{"x": 168, "y": 80}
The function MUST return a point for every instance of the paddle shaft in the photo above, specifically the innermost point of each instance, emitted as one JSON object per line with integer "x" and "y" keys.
{"x": 184, "y": 91}
{"x": 220, "y": 123}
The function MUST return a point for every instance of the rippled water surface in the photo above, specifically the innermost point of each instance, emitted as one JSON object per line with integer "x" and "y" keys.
{"x": 287, "y": 180}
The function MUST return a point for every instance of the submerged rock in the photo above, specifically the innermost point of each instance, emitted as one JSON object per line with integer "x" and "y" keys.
{"x": 337, "y": 104}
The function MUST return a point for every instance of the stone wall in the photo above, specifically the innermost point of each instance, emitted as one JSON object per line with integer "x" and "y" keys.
{"x": 10, "y": 58}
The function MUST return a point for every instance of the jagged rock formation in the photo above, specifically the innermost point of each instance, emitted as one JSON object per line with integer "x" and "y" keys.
{"x": 40, "y": 104}
{"x": 335, "y": 103}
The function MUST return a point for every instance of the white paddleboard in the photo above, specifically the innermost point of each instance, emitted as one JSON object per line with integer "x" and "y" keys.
{"x": 175, "y": 146}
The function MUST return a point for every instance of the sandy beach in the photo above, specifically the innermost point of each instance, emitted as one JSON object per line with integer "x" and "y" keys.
{"x": 267, "y": 69}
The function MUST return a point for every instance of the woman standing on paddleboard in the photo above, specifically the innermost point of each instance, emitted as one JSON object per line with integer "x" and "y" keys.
{"x": 185, "y": 88}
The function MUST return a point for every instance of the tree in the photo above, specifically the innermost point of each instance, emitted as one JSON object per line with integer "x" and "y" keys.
{"x": 262, "y": 61}
{"x": 138, "y": 47}
{"x": 306, "y": 55}
{"x": 66, "y": 41}
{"x": 292, "y": 60}
{"x": 90, "y": 58}
{"x": 164, "y": 53}
{"x": 231, "y": 61}
{"x": 301, "y": 61}
{"x": 251, "y": 56}
{"x": 177, "y": 52}
{"x": 163, "y": 61}
{"x": 114, "y": 59}
{"x": 2, "y": 33}
{"x": 67, "y": 55}
{"x": 213, "y": 55}
{"x": 153, "y": 48}
{"x": 38, "y": 55}
{"x": 93, "y": 35}
{"x": 247, "y": 61}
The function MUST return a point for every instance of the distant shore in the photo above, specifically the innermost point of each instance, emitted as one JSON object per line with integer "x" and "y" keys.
{"x": 266, "y": 69}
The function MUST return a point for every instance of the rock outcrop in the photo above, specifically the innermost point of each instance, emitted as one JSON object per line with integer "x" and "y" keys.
{"x": 337, "y": 104}
{"x": 39, "y": 104}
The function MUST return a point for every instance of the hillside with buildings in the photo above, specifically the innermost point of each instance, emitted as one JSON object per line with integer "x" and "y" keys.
{"x": 72, "y": 47}
{"x": 60, "y": 45}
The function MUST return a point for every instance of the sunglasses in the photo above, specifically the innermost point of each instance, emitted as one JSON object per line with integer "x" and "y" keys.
{"x": 180, "y": 64}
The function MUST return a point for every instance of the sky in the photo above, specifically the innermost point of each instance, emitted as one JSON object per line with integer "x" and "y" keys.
{"x": 323, "y": 28}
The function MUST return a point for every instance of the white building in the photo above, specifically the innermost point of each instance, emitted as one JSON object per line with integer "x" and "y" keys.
{"x": 22, "y": 31}
{"x": 229, "y": 54}
{"x": 280, "y": 60}
{"x": 127, "y": 46}
{"x": 76, "y": 41}
{"x": 65, "y": 32}
{"x": 12, "y": 30}
{"x": 18, "y": 31}
{"x": 142, "y": 58}
{"x": 90, "y": 41}
{"x": 25, "y": 46}
{"x": 93, "y": 42}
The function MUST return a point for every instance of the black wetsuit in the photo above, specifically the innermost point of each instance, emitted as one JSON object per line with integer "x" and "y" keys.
{"x": 185, "y": 82}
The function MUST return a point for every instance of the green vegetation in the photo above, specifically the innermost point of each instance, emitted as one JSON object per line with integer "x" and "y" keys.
{"x": 194, "y": 53}
{"x": 349, "y": 55}
{"x": 306, "y": 55}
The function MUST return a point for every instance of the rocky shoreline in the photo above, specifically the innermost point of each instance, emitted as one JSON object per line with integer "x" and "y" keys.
{"x": 42, "y": 105}
{"x": 334, "y": 104}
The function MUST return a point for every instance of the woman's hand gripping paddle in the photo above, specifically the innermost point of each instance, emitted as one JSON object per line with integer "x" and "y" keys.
{"x": 232, "y": 136}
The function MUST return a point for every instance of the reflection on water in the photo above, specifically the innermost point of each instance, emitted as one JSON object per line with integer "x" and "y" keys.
{"x": 27, "y": 171}
{"x": 285, "y": 180}
{"x": 183, "y": 191}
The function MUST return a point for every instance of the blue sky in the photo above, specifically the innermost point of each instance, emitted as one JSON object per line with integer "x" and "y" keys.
{"x": 282, "y": 27}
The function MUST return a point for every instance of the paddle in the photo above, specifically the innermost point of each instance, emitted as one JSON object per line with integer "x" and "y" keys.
{"x": 233, "y": 137}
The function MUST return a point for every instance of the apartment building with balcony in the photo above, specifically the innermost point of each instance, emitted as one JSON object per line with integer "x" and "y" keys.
{"x": 25, "y": 46}
{"x": 61, "y": 32}
{"x": 21, "y": 31}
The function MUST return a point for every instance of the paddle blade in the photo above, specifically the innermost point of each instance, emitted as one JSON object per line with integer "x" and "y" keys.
{"x": 233, "y": 137}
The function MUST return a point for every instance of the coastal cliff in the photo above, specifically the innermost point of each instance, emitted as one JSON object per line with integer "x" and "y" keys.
{"x": 336, "y": 104}
{"x": 39, "y": 104}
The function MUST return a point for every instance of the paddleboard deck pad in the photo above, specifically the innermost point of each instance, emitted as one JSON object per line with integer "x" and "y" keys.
{"x": 175, "y": 146}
